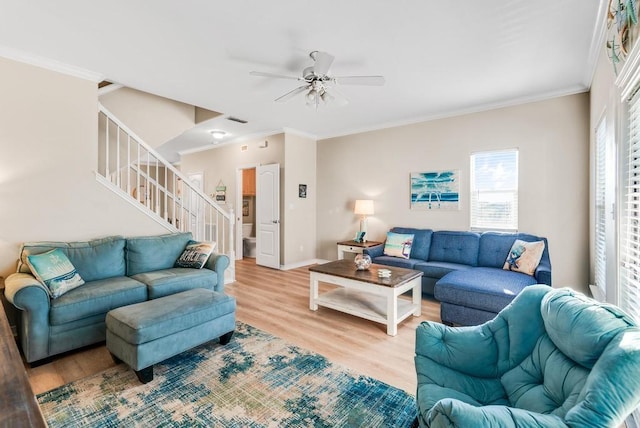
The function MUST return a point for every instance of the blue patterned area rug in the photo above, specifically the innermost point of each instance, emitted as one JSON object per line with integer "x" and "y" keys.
{"x": 256, "y": 380}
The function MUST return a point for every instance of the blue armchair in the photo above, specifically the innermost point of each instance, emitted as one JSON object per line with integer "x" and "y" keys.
{"x": 551, "y": 358}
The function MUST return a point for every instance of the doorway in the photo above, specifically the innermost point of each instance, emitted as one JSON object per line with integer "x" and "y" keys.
{"x": 246, "y": 214}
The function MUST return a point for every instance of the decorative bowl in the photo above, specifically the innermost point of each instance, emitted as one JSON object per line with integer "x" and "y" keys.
{"x": 362, "y": 261}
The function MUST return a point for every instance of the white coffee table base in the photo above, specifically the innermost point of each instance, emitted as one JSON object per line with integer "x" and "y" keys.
{"x": 366, "y": 300}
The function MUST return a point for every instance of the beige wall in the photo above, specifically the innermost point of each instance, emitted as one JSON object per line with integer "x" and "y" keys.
{"x": 553, "y": 141}
{"x": 154, "y": 119}
{"x": 48, "y": 142}
{"x": 300, "y": 213}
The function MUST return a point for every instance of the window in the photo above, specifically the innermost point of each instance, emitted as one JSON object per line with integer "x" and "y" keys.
{"x": 600, "y": 214}
{"x": 494, "y": 190}
{"x": 629, "y": 290}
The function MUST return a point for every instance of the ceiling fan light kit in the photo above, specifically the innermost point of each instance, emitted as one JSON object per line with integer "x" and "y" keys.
{"x": 318, "y": 84}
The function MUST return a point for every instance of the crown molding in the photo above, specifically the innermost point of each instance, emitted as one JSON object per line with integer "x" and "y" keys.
{"x": 302, "y": 134}
{"x": 597, "y": 42}
{"x": 576, "y": 89}
{"x": 49, "y": 64}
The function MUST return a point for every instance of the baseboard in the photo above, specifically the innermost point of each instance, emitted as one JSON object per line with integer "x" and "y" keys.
{"x": 301, "y": 264}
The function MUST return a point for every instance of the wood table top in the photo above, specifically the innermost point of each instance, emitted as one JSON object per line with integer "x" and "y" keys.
{"x": 347, "y": 269}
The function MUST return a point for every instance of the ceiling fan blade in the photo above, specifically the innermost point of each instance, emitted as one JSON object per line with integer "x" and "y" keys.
{"x": 323, "y": 63}
{"x": 292, "y": 94}
{"x": 360, "y": 80}
{"x": 277, "y": 76}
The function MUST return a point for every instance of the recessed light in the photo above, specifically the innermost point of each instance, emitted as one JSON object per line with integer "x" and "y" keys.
{"x": 217, "y": 134}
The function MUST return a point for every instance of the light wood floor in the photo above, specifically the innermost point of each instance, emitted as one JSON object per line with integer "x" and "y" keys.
{"x": 278, "y": 302}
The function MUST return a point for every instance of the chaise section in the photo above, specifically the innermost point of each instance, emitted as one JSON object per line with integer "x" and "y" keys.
{"x": 465, "y": 270}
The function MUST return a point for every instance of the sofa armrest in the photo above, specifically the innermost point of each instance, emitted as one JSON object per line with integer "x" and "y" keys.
{"x": 16, "y": 283}
{"x": 218, "y": 263}
{"x": 543, "y": 273}
{"x": 375, "y": 251}
{"x": 32, "y": 298}
{"x": 455, "y": 413}
{"x": 468, "y": 350}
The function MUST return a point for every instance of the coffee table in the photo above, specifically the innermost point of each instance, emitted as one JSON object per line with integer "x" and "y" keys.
{"x": 363, "y": 294}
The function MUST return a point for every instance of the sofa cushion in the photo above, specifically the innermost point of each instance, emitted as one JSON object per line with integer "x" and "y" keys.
{"x": 54, "y": 270}
{"x": 455, "y": 247}
{"x": 195, "y": 254}
{"x": 421, "y": 241}
{"x": 95, "y": 298}
{"x": 151, "y": 253}
{"x": 489, "y": 289}
{"x": 438, "y": 269}
{"x": 398, "y": 245}
{"x": 170, "y": 281}
{"x": 396, "y": 261}
{"x": 524, "y": 256}
{"x": 83, "y": 255}
{"x": 495, "y": 247}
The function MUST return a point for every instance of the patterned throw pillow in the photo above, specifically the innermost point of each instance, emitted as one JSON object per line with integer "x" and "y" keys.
{"x": 398, "y": 245}
{"x": 195, "y": 254}
{"x": 55, "y": 271}
{"x": 524, "y": 256}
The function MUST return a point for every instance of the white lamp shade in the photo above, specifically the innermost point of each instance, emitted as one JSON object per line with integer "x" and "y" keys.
{"x": 364, "y": 207}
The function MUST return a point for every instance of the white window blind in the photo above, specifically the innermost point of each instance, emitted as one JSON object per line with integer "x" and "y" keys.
{"x": 494, "y": 190}
{"x": 600, "y": 214}
{"x": 629, "y": 290}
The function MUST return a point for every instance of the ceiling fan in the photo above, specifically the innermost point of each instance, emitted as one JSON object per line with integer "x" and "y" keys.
{"x": 318, "y": 84}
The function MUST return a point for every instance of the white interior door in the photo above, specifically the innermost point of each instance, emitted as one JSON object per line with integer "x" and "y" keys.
{"x": 268, "y": 215}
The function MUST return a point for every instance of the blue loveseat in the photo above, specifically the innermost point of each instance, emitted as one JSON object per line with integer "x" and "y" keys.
{"x": 552, "y": 358}
{"x": 117, "y": 271}
{"x": 464, "y": 270}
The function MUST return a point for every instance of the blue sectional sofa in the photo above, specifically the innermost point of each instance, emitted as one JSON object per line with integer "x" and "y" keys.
{"x": 117, "y": 271}
{"x": 464, "y": 270}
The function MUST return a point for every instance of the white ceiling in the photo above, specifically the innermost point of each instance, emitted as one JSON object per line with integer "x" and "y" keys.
{"x": 439, "y": 58}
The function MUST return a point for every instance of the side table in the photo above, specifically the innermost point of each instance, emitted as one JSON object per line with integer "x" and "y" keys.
{"x": 354, "y": 247}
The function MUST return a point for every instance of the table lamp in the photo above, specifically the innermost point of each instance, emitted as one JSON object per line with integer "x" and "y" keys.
{"x": 363, "y": 208}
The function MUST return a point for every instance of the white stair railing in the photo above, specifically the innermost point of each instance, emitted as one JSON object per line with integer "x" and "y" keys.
{"x": 139, "y": 174}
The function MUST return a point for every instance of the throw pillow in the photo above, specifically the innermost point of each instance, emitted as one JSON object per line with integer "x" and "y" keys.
{"x": 398, "y": 245}
{"x": 55, "y": 271}
{"x": 524, "y": 256}
{"x": 195, "y": 254}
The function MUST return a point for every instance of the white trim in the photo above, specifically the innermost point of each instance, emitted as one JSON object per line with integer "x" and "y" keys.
{"x": 299, "y": 133}
{"x": 50, "y": 64}
{"x": 597, "y": 42}
{"x": 109, "y": 88}
{"x": 576, "y": 89}
{"x": 141, "y": 207}
{"x": 303, "y": 264}
{"x": 629, "y": 74}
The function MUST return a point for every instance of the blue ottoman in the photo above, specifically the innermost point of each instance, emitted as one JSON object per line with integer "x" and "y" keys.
{"x": 147, "y": 333}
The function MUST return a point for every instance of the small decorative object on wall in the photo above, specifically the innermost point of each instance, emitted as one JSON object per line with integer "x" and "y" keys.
{"x": 221, "y": 192}
{"x": 302, "y": 190}
{"x": 245, "y": 208}
{"x": 437, "y": 190}
{"x": 622, "y": 17}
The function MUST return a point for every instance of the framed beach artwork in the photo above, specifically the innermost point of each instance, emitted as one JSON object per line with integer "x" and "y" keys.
{"x": 435, "y": 190}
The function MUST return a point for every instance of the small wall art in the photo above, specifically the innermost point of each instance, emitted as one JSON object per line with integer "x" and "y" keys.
{"x": 302, "y": 190}
{"x": 436, "y": 190}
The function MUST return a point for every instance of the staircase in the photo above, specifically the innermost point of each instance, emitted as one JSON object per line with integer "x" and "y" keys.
{"x": 138, "y": 174}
